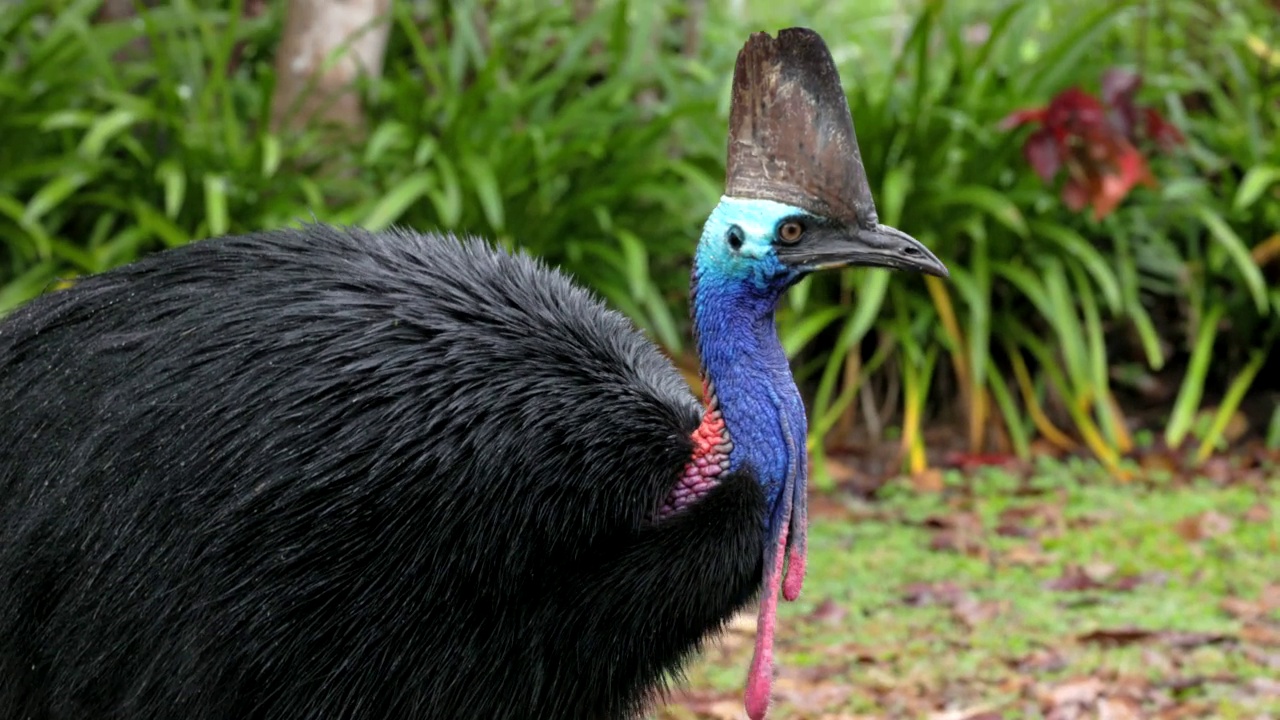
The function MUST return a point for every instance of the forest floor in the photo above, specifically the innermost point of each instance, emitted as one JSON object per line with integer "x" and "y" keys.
{"x": 1055, "y": 593}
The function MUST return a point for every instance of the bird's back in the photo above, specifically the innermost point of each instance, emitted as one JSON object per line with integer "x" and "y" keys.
{"x": 332, "y": 473}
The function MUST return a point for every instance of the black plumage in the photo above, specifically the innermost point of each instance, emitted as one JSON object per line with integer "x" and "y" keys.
{"x": 327, "y": 473}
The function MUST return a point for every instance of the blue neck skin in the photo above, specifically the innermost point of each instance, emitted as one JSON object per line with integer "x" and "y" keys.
{"x": 735, "y": 295}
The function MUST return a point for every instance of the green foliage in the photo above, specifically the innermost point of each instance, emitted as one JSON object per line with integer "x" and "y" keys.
{"x": 586, "y": 143}
{"x": 598, "y": 144}
{"x": 106, "y": 159}
{"x": 589, "y": 144}
{"x": 1172, "y": 279}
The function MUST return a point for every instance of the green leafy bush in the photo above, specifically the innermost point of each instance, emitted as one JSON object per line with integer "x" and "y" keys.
{"x": 1046, "y": 304}
{"x": 598, "y": 144}
{"x": 570, "y": 137}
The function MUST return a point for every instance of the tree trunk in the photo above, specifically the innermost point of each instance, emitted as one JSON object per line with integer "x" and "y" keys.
{"x": 695, "y": 14}
{"x": 325, "y": 46}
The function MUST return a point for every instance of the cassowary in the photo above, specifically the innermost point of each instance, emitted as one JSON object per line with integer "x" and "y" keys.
{"x": 328, "y": 473}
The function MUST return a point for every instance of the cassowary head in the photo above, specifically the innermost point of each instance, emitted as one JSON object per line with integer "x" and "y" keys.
{"x": 796, "y": 198}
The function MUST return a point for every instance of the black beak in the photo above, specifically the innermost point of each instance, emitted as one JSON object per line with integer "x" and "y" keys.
{"x": 878, "y": 246}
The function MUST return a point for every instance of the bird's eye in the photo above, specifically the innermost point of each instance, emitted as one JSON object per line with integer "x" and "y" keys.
{"x": 790, "y": 231}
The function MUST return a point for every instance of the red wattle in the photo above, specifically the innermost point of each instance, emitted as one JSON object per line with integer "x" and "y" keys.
{"x": 760, "y": 677}
{"x": 710, "y": 459}
{"x": 796, "y": 559}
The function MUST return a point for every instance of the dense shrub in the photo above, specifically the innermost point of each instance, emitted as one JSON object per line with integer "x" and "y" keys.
{"x": 599, "y": 145}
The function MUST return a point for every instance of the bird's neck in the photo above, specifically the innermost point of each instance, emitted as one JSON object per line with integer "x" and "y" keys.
{"x": 754, "y": 415}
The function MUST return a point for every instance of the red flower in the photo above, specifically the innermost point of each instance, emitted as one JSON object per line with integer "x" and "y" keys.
{"x": 1095, "y": 143}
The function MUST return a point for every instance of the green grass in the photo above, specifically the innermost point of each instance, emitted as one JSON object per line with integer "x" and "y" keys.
{"x": 1002, "y": 639}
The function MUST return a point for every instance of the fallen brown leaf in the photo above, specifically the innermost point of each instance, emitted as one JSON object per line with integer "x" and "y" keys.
{"x": 1007, "y": 529}
{"x": 960, "y": 532}
{"x": 1116, "y": 636}
{"x": 936, "y": 593}
{"x": 973, "y": 713}
{"x": 1074, "y": 578}
{"x": 1265, "y": 686}
{"x": 1039, "y": 519}
{"x": 1015, "y": 521}
{"x": 828, "y": 612}
{"x": 928, "y": 481}
{"x": 1080, "y": 691}
{"x": 1195, "y": 681}
{"x": 1270, "y": 597}
{"x": 1261, "y": 634}
{"x": 853, "y": 653}
{"x": 1218, "y": 470}
{"x": 1159, "y": 460}
{"x": 1028, "y": 554}
{"x": 1157, "y": 661}
{"x": 1208, "y": 524}
{"x": 1098, "y": 570}
{"x": 1125, "y": 583}
{"x": 973, "y": 612}
{"x": 1186, "y": 710}
{"x": 1242, "y": 609}
{"x": 808, "y": 691}
{"x": 1170, "y": 638}
{"x": 1119, "y": 709}
{"x": 1189, "y": 640}
{"x": 1269, "y": 660}
{"x": 1043, "y": 660}
{"x": 1101, "y": 577}
{"x": 1259, "y": 513}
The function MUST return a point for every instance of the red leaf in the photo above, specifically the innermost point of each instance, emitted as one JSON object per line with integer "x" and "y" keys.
{"x": 1113, "y": 187}
{"x": 1019, "y": 118}
{"x": 1075, "y": 195}
{"x": 1161, "y": 131}
{"x": 1041, "y": 151}
{"x": 1119, "y": 87}
{"x": 1075, "y": 109}
{"x": 1104, "y": 173}
{"x": 1094, "y": 141}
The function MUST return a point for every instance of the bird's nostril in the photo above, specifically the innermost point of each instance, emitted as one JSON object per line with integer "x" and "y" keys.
{"x": 908, "y": 250}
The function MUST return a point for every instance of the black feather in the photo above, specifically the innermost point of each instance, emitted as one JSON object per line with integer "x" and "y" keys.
{"x": 328, "y": 473}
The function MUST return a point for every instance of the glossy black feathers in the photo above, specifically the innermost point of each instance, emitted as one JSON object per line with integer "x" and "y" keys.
{"x": 327, "y": 473}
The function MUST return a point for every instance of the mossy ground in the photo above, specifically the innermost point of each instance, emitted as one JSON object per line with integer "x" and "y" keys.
{"x": 1056, "y": 593}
